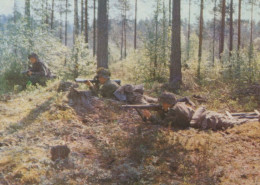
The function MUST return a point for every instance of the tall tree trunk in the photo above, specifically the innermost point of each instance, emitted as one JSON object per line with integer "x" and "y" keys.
{"x": 175, "y": 66}
{"x": 156, "y": 42}
{"x": 135, "y": 24}
{"x": 82, "y": 17}
{"x": 61, "y": 24}
{"x": 94, "y": 28}
{"x": 52, "y": 15}
{"x": 164, "y": 33}
{"x": 222, "y": 32}
{"x": 200, "y": 37}
{"x": 122, "y": 37}
{"x": 125, "y": 24}
{"x": 76, "y": 21}
{"x": 66, "y": 24}
{"x": 46, "y": 13}
{"x": 214, "y": 33}
{"x": 86, "y": 21}
{"x": 170, "y": 12}
{"x": 251, "y": 24}
{"x": 239, "y": 26}
{"x": 188, "y": 48}
{"x": 231, "y": 29}
{"x": 102, "y": 45}
{"x": 27, "y": 11}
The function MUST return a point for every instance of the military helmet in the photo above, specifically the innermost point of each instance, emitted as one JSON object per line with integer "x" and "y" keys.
{"x": 33, "y": 55}
{"x": 168, "y": 98}
{"x": 103, "y": 72}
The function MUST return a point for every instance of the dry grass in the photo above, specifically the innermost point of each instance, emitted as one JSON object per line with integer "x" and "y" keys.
{"x": 110, "y": 145}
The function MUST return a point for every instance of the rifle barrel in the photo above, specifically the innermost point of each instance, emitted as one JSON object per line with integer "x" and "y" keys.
{"x": 150, "y": 106}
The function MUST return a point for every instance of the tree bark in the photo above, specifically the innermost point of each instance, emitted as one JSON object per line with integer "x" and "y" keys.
{"x": 86, "y": 21}
{"x": 222, "y": 32}
{"x": 214, "y": 33}
{"x": 188, "y": 48}
{"x": 239, "y": 26}
{"x": 170, "y": 12}
{"x": 52, "y": 14}
{"x": 251, "y": 27}
{"x": 82, "y": 17}
{"x": 125, "y": 23}
{"x": 66, "y": 24}
{"x": 135, "y": 24}
{"x": 27, "y": 12}
{"x": 102, "y": 45}
{"x": 200, "y": 37}
{"x": 76, "y": 21}
{"x": 175, "y": 66}
{"x": 94, "y": 28}
{"x": 231, "y": 29}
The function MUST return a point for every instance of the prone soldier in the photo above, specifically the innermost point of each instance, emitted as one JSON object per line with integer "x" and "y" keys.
{"x": 108, "y": 87}
{"x": 182, "y": 115}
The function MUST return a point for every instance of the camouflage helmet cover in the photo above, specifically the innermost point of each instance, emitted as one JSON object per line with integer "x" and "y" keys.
{"x": 103, "y": 72}
{"x": 168, "y": 98}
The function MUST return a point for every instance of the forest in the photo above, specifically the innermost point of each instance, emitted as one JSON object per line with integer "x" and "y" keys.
{"x": 203, "y": 52}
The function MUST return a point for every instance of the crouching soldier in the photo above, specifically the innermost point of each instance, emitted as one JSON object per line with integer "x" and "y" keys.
{"x": 38, "y": 72}
{"x": 181, "y": 115}
{"x": 108, "y": 87}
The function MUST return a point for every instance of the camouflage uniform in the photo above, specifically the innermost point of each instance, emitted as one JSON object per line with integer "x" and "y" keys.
{"x": 133, "y": 94}
{"x": 40, "y": 71}
{"x": 108, "y": 88}
{"x": 204, "y": 119}
{"x": 181, "y": 115}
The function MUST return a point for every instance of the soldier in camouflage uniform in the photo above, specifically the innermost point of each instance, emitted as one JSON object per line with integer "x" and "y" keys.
{"x": 108, "y": 87}
{"x": 173, "y": 113}
{"x": 180, "y": 115}
{"x": 39, "y": 72}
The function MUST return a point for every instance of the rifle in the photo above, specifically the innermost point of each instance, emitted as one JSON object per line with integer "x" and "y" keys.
{"x": 94, "y": 81}
{"x": 154, "y": 107}
{"x": 25, "y": 72}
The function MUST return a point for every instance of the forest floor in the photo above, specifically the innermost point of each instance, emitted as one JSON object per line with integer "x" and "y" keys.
{"x": 110, "y": 145}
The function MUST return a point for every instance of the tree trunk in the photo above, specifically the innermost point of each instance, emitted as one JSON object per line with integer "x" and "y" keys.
{"x": 46, "y": 13}
{"x": 27, "y": 11}
{"x": 200, "y": 37}
{"x": 188, "y": 48}
{"x": 94, "y": 29}
{"x": 175, "y": 66}
{"x": 82, "y": 17}
{"x": 239, "y": 26}
{"x": 102, "y": 45}
{"x": 222, "y": 32}
{"x": 61, "y": 24}
{"x": 135, "y": 24}
{"x": 251, "y": 27}
{"x": 86, "y": 21}
{"x": 122, "y": 37}
{"x": 52, "y": 14}
{"x": 66, "y": 24}
{"x": 76, "y": 21}
{"x": 231, "y": 29}
{"x": 214, "y": 33}
{"x": 125, "y": 23}
{"x": 164, "y": 34}
{"x": 156, "y": 42}
{"x": 170, "y": 12}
